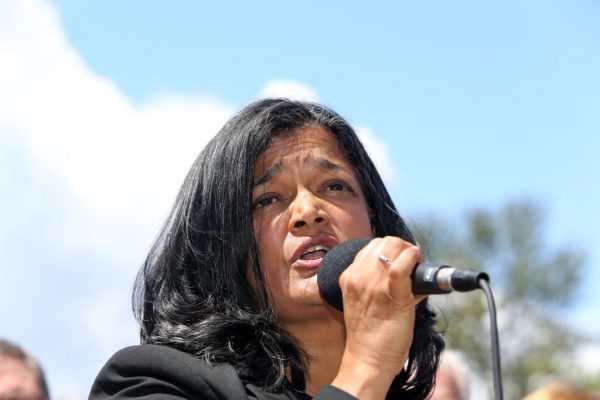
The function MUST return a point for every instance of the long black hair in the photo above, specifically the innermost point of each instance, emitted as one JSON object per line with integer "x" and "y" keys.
{"x": 193, "y": 293}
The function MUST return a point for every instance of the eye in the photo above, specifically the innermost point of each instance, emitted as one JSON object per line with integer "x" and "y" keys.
{"x": 264, "y": 201}
{"x": 338, "y": 186}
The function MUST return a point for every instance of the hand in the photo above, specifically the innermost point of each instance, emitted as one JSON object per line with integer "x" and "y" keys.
{"x": 379, "y": 314}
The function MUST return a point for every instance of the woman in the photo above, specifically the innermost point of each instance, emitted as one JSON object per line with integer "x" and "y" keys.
{"x": 227, "y": 299}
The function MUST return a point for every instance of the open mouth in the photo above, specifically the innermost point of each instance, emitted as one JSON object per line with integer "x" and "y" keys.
{"x": 314, "y": 253}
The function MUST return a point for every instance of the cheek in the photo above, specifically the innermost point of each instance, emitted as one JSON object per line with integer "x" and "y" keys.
{"x": 270, "y": 244}
{"x": 264, "y": 235}
{"x": 270, "y": 230}
{"x": 357, "y": 221}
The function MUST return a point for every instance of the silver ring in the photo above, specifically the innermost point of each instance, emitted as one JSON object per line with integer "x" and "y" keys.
{"x": 384, "y": 258}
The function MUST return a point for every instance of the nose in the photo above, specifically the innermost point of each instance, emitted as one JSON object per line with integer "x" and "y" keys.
{"x": 307, "y": 213}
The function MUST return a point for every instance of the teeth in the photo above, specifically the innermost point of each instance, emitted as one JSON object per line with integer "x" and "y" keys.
{"x": 316, "y": 248}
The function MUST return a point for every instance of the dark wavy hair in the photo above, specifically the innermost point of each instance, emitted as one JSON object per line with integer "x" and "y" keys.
{"x": 193, "y": 293}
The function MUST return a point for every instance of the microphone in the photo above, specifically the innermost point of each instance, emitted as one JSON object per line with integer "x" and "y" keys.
{"x": 427, "y": 278}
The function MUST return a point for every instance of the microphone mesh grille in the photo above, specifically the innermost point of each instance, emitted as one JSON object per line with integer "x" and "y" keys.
{"x": 331, "y": 268}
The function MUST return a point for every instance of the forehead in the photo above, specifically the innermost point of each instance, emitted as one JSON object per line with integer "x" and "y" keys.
{"x": 312, "y": 143}
{"x": 15, "y": 377}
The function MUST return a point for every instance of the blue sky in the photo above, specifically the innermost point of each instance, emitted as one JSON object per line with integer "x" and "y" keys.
{"x": 502, "y": 95}
{"x": 104, "y": 105}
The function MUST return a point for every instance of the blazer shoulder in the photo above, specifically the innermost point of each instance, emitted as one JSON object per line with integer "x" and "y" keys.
{"x": 161, "y": 372}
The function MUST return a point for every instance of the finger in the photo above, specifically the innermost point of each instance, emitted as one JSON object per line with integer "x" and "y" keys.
{"x": 400, "y": 271}
{"x": 387, "y": 261}
{"x": 390, "y": 247}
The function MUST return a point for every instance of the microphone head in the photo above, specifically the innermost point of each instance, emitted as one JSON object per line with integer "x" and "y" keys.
{"x": 333, "y": 264}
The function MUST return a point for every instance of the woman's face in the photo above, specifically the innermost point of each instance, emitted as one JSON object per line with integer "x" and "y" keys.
{"x": 306, "y": 200}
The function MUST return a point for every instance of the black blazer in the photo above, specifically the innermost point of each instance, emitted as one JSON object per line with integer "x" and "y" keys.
{"x": 153, "y": 372}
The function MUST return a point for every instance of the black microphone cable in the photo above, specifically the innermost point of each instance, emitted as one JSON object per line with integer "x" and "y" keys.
{"x": 495, "y": 343}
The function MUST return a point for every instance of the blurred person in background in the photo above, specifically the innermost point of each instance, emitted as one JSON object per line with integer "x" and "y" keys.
{"x": 452, "y": 378}
{"x": 21, "y": 377}
{"x": 562, "y": 390}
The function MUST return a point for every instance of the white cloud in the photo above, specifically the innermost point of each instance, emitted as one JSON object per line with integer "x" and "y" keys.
{"x": 378, "y": 151}
{"x": 289, "y": 89}
{"x": 104, "y": 152}
{"x": 107, "y": 322}
{"x": 86, "y": 177}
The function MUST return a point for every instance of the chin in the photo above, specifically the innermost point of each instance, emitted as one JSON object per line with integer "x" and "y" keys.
{"x": 311, "y": 291}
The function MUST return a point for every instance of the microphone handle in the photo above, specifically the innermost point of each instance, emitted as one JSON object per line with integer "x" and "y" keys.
{"x": 428, "y": 278}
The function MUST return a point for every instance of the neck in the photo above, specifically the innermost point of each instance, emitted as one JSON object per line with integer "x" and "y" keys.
{"x": 324, "y": 342}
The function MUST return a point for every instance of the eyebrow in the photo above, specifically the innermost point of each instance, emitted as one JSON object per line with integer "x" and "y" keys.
{"x": 278, "y": 167}
{"x": 269, "y": 174}
{"x": 327, "y": 164}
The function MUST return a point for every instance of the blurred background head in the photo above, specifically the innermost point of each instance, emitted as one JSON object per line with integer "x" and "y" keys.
{"x": 21, "y": 376}
{"x": 562, "y": 390}
{"x": 452, "y": 378}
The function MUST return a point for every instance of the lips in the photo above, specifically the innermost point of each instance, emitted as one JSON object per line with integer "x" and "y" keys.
{"x": 314, "y": 252}
{"x": 310, "y": 252}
